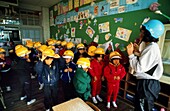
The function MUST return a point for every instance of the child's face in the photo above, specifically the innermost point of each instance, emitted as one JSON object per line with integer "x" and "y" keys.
{"x": 48, "y": 61}
{"x": 116, "y": 61}
{"x": 81, "y": 51}
{"x": 68, "y": 60}
{"x": 85, "y": 69}
{"x": 100, "y": 58}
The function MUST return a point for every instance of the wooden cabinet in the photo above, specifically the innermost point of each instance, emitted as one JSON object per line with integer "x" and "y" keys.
{"x": 128, "y": 87}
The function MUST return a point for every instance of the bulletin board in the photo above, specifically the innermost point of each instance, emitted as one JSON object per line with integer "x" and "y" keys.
{"x": 130, "y": 20}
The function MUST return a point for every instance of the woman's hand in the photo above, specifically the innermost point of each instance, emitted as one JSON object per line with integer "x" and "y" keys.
{"x": 130, "y": 48}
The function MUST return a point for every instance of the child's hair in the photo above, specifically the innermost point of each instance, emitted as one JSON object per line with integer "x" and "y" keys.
{"x": 98, "y": 55}
{"x": 147, "y": 36}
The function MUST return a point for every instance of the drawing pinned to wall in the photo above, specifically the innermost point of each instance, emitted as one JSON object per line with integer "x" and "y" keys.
{"x": 70, "y": 5}
{"x": 131, "y": 1}
{"x": 96, "y": 10}
{"x": 68, "y": 31}
{"x": 67, "y": 39}
{"x": 104, "y": 27}
{"x": 114, "y": 3}
{"x": 65, "y": 36}
{"x": 76, "y": 18}
{"x": 56, "y": 36}
{"x": 121, "y": 9}
{"x": 87, "y": 1}
{"x": 83, "y": 14}
{"x": 61, "y": 37}
{"x": 77, "y": 40}
{"x": 82, "y": 2}
{"x": 90, "y": 32}
{"x": 81, "y": 24}
{"x": 71, "y": 18}
{"x": 76, "y": 3}
{"x": 117, "y": 45}
{"x": 107, "y": 36}
{"x": 51, "y": 13}
{"x": 123, "y": 34}
{"x": 95, "y": 22}
{"x": 118, "y": 20}
{"x": 55, "y": 8}
{"x": 59, "y": 9}
{"x": 72, "y": 40}
{"x": 73, "y": 30}
{"x": 96, "y": 39}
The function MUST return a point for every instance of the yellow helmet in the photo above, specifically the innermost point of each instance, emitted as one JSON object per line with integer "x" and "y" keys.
{"x": 51, "y": 47}
{"x": 58, "y": 42}
{"x": 22, "y": 51}
{"x": 27, "y": 41}
{"x": 37, "y": 44}
{"x": 91, "y": 50}
{"x": 42, "y": 48}
{"x": 83, "y": 62}
{"x": 50, "y": 53}
{"x": 114, "y": 55}
{"x": 69, "y": 45}
{"x": 80, "y": 46}
{"x": 18, "y": 46}
{"x": 99, "y": 51}
{"x": 2, "y": 50}
{"x": 63, "y": 43}
{"x": 51, "y": 42}
{"x": 68, "y": 54}
{"x": 29, "y": 44}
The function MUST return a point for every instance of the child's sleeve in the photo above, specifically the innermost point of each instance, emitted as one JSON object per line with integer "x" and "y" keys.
{"x": 39, "y": 67}
{"x": 123, "y": 73}
{"x": 91, "y": 69}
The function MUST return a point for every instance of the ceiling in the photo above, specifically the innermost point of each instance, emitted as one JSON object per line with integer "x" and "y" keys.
{"x": 43, "y": 3}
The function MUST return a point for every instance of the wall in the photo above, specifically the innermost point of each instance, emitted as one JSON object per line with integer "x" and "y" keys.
{"x": 131, "y": 21}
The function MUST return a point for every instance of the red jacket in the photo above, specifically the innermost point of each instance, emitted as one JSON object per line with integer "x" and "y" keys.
{"x": 111, "y": 72}
{"x": 96, "y": 68}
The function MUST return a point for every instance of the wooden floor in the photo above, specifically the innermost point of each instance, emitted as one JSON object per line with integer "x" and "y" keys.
{"x": 14, "y": 104}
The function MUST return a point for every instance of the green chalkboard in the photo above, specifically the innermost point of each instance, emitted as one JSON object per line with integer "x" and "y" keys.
{"x": 131, "y": 21}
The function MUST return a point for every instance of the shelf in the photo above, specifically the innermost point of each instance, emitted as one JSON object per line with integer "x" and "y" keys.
{"x": 131, "y": 92}
{"x": 132, "y": 83}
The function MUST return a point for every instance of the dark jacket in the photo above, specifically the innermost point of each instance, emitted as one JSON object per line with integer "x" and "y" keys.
{"x": 67, "y": 77}
{"x": 50, "y": 75}
{"x": 78, "y": 55}
{"x": 23, "y": 68}
{"x": 7, "y": 63}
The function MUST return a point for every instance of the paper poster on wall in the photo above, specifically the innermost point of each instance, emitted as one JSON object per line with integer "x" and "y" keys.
{"x": 123, "y": 34}
{"x": 59, "y": 9}
{"x": 104, "y": 27}
{"x": 77, "y": 40}
{"x": 121, "y": 9}
{"x": 73, "y": 30}
{"x": 72, "y": 40}
{"x": 65, "y": 36}
{"x": 51, "y": 13}
{"x": 131, "y": 1}
{"x": 65, "y": 8}
{"x": 76, "y": 3}
{"x": 76, "y": 18}
{"x": 96, "y": 39}
{"x": 70, "y": 5}
{"x": 90, "y": 32}
{"x": 83, "y": 14}
{"x": 114, "y": 3}
{"x": 96, "y": 10}
{"x": 82, "y": 2}
{"x": 107, "y": 36}
{"x": 68, "y": 39}
{"x": 56, "y": 36}
{"x": 87, "y": 1}
{"x": 86, "y": 13}
{"x": 55, "y": 8}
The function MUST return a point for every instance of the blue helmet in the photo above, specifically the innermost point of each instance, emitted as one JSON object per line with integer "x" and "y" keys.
{"x": 155, "y": 27}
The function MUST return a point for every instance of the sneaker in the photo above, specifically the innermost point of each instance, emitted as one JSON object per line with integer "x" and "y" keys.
{"x": 31, "y": 101}
{"x": 41, "y": 86}
{"x": 33, "y": 77}
{"x": 108, "y": 105}
{"x": 99, "y": 98}
{"x": 8, "y": 88}
{"x": 47, "y": 109}
{"x": 94, "y": 100}
{"x": 24, "y": 97}
{"x": 114, "y": 104}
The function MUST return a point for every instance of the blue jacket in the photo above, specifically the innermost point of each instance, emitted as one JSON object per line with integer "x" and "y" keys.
{"x": 50, "y": 75}
{"x": 68, "y": 76}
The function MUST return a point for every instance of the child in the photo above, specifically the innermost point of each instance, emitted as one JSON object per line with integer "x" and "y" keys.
{"x": 23, "y": 68}
{"x": 67, "y": 74}
{"x": 96, "y": 72}
{"x": 48, "y": 66}
{"x": 81, "y": 52}
{"x": 5, "y": 67}
{"x": 81, "y": 80}
{"x": 90, "y": 52}
{"x": 113, "y": 73}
